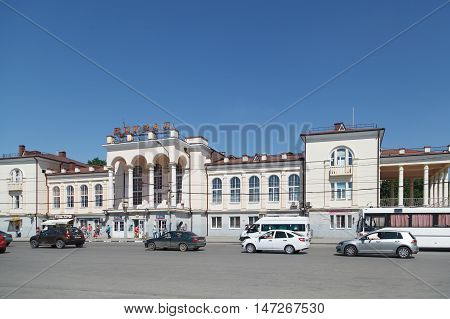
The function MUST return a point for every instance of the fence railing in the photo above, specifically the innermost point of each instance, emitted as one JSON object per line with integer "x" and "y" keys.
{"x": 415, "y": 202}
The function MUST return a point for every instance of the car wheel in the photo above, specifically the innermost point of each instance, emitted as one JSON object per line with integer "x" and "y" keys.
{"x": 250, "y": 248}
{"x": 151, "y": 246}
{"x": 289, "y": 249}
{"x": 79, "y": 245}
{"x": 403, "y": 252}
{"x": 2, "y": 251}
{"x": 60, "y": 244}
{"x": 183, "y": 247}
{"x": 34, "y": 243}
{"x": 350, "y": 250}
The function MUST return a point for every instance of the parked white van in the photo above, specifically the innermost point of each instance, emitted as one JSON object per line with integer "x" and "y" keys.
{"x": 297, "y": 224}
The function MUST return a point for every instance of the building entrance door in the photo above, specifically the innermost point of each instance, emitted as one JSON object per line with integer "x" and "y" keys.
{"x": 118, "y": 230}
{"x": 140, "y": 224}
{"x": 162, "y": 226}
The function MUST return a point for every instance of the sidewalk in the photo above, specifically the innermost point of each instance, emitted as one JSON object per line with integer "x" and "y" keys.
{"x": 209, "y": 239}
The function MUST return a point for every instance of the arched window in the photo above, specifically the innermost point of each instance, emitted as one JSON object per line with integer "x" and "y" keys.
{"x": 294, "y": 188}
{"x": 137, "y": 185}
{"x": 235, "y": 190}
{"x": 341, "y": 156}
{"x": 16, "y": 175}
{"x": 69, "y": 195}
{"x": 253, "y": 189}
{"x": 157, "y": 181}
{"x": 217, "y": 191}
{"x": 56, "y": 197}
{"x": 84, "y": 196}
{"x": 179, "y": 182}
{"x": 98, "y": 195}
{"x": 274, "y": 188}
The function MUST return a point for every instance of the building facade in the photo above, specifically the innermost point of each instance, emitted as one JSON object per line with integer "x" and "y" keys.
{"x": 342, "y": 176}
{"x": 23, "y": 188}
{"x": 156, "y": 180}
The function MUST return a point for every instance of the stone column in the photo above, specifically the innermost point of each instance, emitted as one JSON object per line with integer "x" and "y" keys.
{"x": 425, "y": 186}
{"x": 151, "y": 185}
{"x": 432, "y": 191}
{"x": 445, "y": 193}
{"x": 130, "y": 186}
{"x": 400, "y": 186}
{"x": 411, "y": 192}
{"x": 392, "y": 195}
{"x": 442, "y": 194}
{"x": 173, "y": 185}
{"x": 110, "y": 188}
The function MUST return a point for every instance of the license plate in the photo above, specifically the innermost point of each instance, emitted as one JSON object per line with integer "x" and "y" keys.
{"x": 77, "y": 236}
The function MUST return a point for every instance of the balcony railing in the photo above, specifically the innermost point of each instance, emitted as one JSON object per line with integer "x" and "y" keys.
{"x": 15, "y": 186}
{"x": 341, "y": 170}
{"x": 414, "y": 202}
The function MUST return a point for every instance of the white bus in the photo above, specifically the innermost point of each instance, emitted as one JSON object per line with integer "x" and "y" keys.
{"x": 297, "y": 224}
{"x": 431, "y": 226}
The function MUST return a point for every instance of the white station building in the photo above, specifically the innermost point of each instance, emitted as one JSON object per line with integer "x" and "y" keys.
{"x": 157, "y": 180}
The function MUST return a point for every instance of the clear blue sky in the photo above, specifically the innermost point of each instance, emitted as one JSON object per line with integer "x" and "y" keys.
{"x": 220, "y": 62}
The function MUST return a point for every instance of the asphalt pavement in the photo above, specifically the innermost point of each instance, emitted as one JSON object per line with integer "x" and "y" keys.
{"x": 127, "y": 270}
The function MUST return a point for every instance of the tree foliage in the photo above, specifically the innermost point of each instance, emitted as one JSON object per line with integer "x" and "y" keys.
{"x": 97, "y": 162}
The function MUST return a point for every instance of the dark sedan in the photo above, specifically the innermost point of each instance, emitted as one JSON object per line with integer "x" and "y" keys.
{"x": 58, "y": 237}
{"x": 179, "y": 240}
{"x": 8, "y": 237}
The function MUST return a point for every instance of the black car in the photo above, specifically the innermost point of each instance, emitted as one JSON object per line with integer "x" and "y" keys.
{"x": 8, "y": 237}
{"x": 179, "y": 240}
{"x": 58, "y": 237}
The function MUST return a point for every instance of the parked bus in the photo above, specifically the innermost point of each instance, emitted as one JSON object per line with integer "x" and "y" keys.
{"x": 431, "y": 226}
{"x": 297, "y": 224}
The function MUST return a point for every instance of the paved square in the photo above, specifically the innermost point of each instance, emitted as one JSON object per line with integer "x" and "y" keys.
{"x": 127, "y": 270}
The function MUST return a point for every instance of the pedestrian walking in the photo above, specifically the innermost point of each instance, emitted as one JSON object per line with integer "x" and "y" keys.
{"x": 136, "y": 232}
{"x": 90, "y": 230}
{"x": 108, "y": 231}
{"x": 97, "y": 232}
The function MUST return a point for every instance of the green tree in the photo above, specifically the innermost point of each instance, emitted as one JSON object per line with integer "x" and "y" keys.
{"x": 97, "y": 162}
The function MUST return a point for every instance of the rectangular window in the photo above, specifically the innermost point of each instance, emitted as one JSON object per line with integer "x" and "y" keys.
{"x": 217, "y": 196}
{"x": 341, "y": 190}
{"x": 235, "y": 222}
{"x": 16, "y": 201}
{"x": 349, "y": 221}
{"x": 349, "y": 190}
{"x": 332, "y": 221}
{"x": 216, "y": 222}
{"x": 56, "y": 202}
{"x": 252, "y": 219}
{"x": 340, "y": 221}
{"x": 235, "y": 195}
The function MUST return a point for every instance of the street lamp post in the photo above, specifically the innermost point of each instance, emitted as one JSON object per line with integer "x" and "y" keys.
{"x": 125, "y": 211}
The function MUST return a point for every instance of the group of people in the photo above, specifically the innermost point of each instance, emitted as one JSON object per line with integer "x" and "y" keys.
{"x": 90, "y": 232}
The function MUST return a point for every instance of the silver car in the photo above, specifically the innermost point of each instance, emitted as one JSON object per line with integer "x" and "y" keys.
{"x": 385, "y": 242}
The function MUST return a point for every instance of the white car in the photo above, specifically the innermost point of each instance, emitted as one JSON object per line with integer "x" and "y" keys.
{"x": 276, "y": 240}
